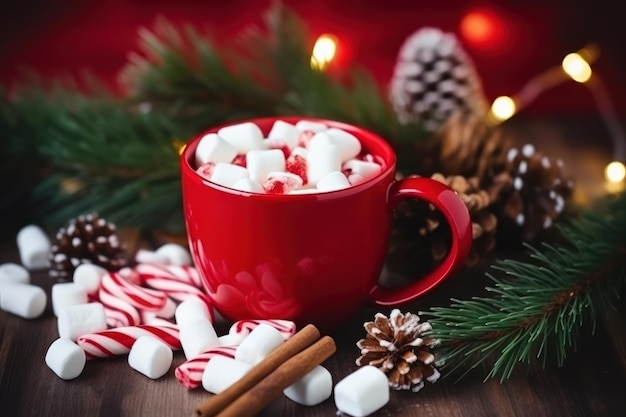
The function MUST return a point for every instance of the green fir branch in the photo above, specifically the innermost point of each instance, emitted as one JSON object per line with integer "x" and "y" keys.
{"x": 538, "y": 304}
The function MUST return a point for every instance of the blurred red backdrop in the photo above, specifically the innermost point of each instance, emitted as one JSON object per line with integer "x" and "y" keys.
{"x": 510, "y": 42}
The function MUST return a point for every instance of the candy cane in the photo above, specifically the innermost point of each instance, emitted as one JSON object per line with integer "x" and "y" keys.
{"x": 118, "y": 341}
{"x": 118, "y": 312}
{"x": 189, "y": 373}
{"x": 285, "y": 327}
{"x": 139, "y": 297}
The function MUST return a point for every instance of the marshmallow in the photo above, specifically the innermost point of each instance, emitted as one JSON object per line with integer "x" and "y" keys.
{"x": 66, "y": 359}
{"x": 175, "y": 254}
{"x": 89, "y": 276}
{"x": 246, "y": 184}
{"x": 150, "y": 357}
{"x": 321, "y": 160}
{"x": 228, "y": 174}
{"x": 197, "y": 336}
{"x": 333, "y": 181}
{"x": 299, "y": 150}
{"x": 11, "y": 273}
{"x": 81, "y": 319}
{"x": 348, "y": 144}
{"x": 304, "y": 125}
{"x": 24, "y": 300}
{"x": 261, "y": 163}
{"x": 67, "y": 294}
{"x": 362, "y": 392}
{"x": 320, "y": 139}
{"x": 260, "y": 342}
{"x": 191, "y": 310}
{"x": 212, "y": 148}
{"x": 355, "y": 179}
{"x": 364, "y": 168}
{"x": 244, "y": 137}
{"x": 313, "y": 388}
{"x": 286, "y": 132}
{"x": 221, "y": 372}
{"x": 34, "y": 247}
{"x": 281, "y": 182}
{"x": 144, "y": 256}
{"x": 304, "y": 191}
{"x": 231, "y": 339}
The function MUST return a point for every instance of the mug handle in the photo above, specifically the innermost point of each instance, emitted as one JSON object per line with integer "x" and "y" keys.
{"x": 457, "y": 216}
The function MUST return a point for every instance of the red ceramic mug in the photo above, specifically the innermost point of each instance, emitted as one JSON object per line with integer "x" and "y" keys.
{"x": 311, "y": 258}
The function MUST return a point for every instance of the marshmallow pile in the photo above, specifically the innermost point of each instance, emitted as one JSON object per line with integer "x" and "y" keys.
{"x": 308, "y": 157}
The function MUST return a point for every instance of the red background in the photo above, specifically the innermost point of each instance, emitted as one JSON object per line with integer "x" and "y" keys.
{"x": 524, "y": 38}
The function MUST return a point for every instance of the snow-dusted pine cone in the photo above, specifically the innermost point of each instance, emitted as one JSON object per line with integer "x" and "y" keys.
{"x": 86, "y": 239}
{"x": 434, "y": 78}
{"x": 399, "y": 347}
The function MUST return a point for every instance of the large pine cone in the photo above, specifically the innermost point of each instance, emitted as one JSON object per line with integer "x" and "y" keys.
{"x": 399, "y": 347}
{"x": 86, "y": 239}
{"x": 434, "y": 78}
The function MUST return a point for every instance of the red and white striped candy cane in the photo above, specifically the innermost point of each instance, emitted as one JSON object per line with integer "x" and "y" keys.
{"x": 118, "y": 341}
{"x": 178, "y": 282}
{"x": 286, "y": 327}
{"x": 189, "y": 373}
{"x": 118, "y": 313}
{"x": 139, "y": 297}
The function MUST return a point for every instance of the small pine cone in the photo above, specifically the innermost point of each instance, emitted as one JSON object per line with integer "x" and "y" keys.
{"x": 468, "y": 145}
{"x": 399, "y": 347}
{"x": 86, "y": 239}
{"x": 537, "y": 192}
{"x": 434, "y": 78}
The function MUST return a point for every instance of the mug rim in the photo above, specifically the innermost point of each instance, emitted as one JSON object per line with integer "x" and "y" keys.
{"x": 383, "y": 151}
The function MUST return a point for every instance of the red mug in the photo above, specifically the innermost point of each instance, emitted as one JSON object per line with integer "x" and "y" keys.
{"x": 311, "y": 258}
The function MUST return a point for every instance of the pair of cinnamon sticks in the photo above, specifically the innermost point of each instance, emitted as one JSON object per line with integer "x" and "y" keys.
{"x": 264, "y": 382}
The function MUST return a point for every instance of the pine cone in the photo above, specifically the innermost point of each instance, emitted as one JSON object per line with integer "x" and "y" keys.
{"x": 86, "y": 239}
{"x": 467, "y": 145}
{"x": 434, "y": 78}
{"x": 397, "y": 346}
{"x": 537, "y": 191}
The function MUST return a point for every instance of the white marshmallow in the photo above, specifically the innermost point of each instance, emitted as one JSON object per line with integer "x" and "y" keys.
{"x": 246, "y": 184}
{"x": 244, "y": 137}
{"x": 232, "y": 339}
{"x": 286, "y": 132}
{"x": 355, "y": 179}
{"x": 150, "y": 356}
{"x": 24, "y": 300}
{"x": 304, "y": 191}
{"x": 34, "y": 247}
{"x": 77, "y": 320}
{"x": 299, "y": 150}
{"x": 145, "y": 256}
{"x": 89, "y": 276}
{"x": 258, "y": 344}
{"x": 320, "y": 139}
{"x": 228, "y": 174}
{"x": 261, "y": 163}
{"x": 313, "y": 388}
{"x": 66, "y": 359}
{"x": 11, "y": 273}
{"x": 175, "y": 254}
{"x": 191, "y": 310}
{"x": 321, "y": 160}
{"x": 348, "y": 144}
{"x": 197, "y": 336}
{"x": 67, "y": 294}
{"x": 332, "y": 182}
{"x": 362, "y": 392}
{"x": 221, "y": 372}
{"x": 366, "y": 169}
{"x": 304, "y": 125}
{"x": 212, "y": 148}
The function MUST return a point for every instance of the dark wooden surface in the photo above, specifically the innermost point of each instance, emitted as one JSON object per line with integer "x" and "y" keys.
{"x": 591, "y": 383}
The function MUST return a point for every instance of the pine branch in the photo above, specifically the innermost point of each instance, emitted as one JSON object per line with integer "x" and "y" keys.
{"x": 538, "y": 305}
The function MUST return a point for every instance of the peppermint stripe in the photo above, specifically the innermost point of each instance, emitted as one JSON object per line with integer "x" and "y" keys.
{"x": 189, "y": 373}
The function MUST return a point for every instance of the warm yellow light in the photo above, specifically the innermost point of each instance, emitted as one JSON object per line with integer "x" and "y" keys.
{"x": 503, "y": 108}
{"x": 576, "y": 67}
{"x": 615, "y": 172}
{"x": 323, "y": 52}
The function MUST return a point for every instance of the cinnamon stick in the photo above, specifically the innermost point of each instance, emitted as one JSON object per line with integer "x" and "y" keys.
{"x": 260, "y": 395}
{"x": 297, "y": 343}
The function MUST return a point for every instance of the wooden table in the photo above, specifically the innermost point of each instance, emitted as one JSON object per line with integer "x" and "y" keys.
{"x": 592, "y": 382}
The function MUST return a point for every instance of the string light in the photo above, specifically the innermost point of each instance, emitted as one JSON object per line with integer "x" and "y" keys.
{"x": 502, "y": 108}
{"x": 576, "y": 67}
{"x": 323, "y": 52}
{"x": 615, "y": 172}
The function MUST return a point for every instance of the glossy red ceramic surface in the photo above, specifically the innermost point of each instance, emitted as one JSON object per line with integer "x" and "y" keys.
{"x": 312, "y": 258}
